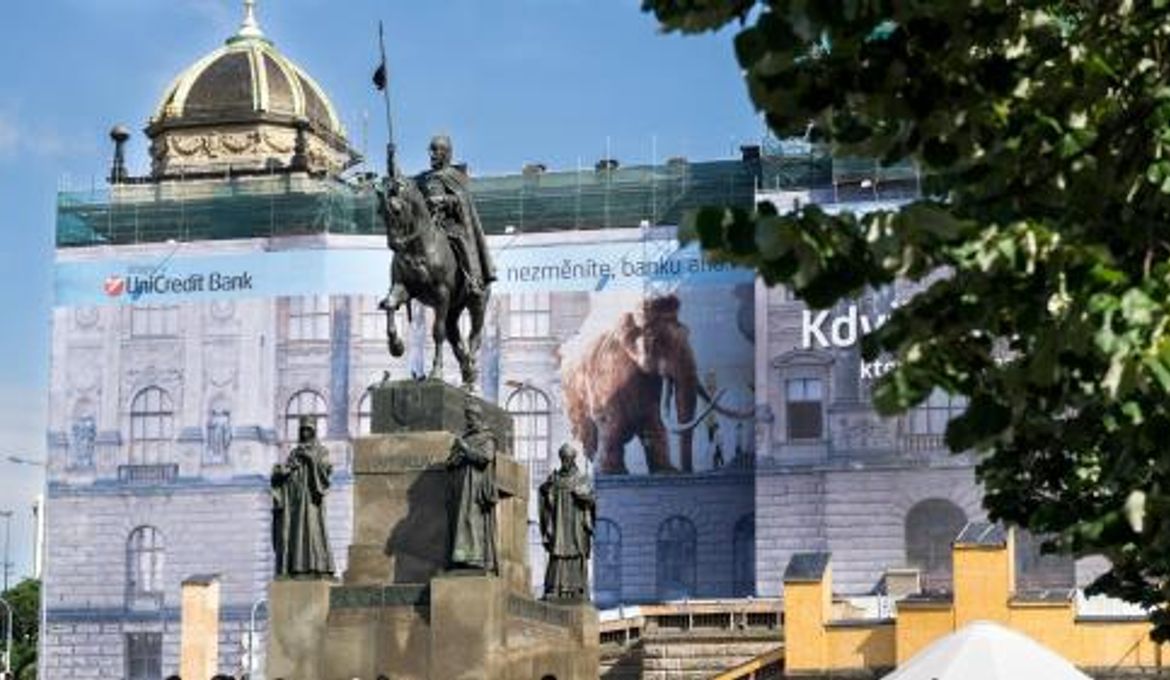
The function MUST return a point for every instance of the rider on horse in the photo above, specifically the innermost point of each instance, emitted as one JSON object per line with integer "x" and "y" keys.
{"x": 440, "y": 258}
{"x": 452, "y": 209}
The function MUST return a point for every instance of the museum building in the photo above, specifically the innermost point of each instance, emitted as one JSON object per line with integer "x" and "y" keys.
{"x": 204, "y": 307}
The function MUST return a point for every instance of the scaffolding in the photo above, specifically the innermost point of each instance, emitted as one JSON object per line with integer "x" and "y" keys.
{"x": 533, "y": 201}
{"x": 239, "y": 207}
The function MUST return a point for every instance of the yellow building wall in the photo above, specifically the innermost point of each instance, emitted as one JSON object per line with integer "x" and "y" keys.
{"x": 984, "y": 581}
{"x": 855, "y": 646}
{"x": 984, "y": 584}
{"x": 1106, "y": 644}
{"x": 919, "y": 625}
{"x": 1049, "y": 623}
{"x": 806, "y": 608}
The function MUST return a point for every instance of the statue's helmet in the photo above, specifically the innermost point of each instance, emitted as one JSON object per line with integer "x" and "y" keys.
{"x": 473, "y": 414}
{"x": 567, "y": 454}
{"x": 442, "y": 151}
{"x": 442, "y": 141}
{"x": 307, "y": 428}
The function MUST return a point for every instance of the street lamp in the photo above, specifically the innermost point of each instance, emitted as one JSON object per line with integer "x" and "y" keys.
{"x": 7, "y": 515}
{"x": 8, "y": 640}
{"x": 252, "y": 637}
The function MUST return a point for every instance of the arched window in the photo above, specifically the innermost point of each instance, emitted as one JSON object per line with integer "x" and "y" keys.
{"x": 144, "y": 568}
{"x": 676, "y": 558}
{"x": 931, "y": 527}
{"x": 743, "y": 556}
{"x": 607, "y": 563}
{"x": 1036, "y": 570}
{"x": 365, "y": 414}
{"x": 532, "y": 422}
{"x": 306, "y": 403}
{"x": 152, "y": 417}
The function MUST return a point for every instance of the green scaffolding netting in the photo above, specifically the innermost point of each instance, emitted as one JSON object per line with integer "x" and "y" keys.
{"x": 281, "y": 205}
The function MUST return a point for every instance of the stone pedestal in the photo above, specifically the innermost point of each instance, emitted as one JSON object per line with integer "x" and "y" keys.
{"x": 397, "y": 612}
{"x": 297, "y": 612}
{"x": 400, "y": 531}
{"x": 430, "y": 406}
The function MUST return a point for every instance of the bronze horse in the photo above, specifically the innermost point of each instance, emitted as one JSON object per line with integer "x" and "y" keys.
{"x": 424, "y": 268}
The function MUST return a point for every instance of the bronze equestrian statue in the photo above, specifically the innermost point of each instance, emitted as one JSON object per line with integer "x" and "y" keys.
{"x": 440, "y": 258}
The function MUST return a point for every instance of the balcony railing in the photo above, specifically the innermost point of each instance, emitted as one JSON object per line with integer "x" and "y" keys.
{"x": 922, "y": 443}
{"x": 148, "y": 474}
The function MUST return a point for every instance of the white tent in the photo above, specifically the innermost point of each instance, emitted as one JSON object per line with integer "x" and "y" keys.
{"x": 987, "y": 651}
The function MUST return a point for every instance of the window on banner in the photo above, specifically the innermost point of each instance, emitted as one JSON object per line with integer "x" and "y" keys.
{"x": 306, "y": 403}
{"x": 365, "y": 414}
{"x": 154, "y": 320}
{"x": 372, "y": 319}
{"x": 676, "y": 558}
{"x": 529, "y": 315}
{"x": 607, "y": 563}
{"x": 931, "y": 416}
{"x": 308, "y": 317}
{"x": 804, "y": 399}
{"x": 144, "y": 656}
{"x": 151, "y": 426}
{"x": 144, "y": 568}
{"x": 532, "y": 425}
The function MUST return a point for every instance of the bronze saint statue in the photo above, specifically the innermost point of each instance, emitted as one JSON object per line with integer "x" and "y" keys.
{"x": 440, "y": 258}
{"x": 568, "y": 511}
{"x": 471, "y": 505}
{"x": 299, "y": 487}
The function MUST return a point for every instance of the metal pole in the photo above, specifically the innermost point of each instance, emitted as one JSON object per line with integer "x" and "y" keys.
{"x": 252, "y": 639}
{"x": 7, "y": 515}
{"x": 8, "y": 640}
{"x": 391, "y": 163}
{"x": 37, "y": 536}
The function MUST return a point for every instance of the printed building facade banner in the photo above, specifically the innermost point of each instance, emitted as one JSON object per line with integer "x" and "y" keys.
{"x": 186, "y": 366}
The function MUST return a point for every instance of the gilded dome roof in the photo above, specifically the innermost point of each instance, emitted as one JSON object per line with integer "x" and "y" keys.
{"x": 244, "y": 79}
{"x": 233, "y": 104}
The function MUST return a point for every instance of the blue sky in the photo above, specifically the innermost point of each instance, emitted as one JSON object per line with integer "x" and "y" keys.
{"x": 512, "y": 81}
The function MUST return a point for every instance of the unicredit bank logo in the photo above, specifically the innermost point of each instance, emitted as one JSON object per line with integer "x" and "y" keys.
{"x": 114, "y": 286}
{"x": 152, "y": 282}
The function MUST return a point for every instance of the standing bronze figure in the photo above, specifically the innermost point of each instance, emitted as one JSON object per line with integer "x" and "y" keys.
{"x": 440, "y": 258}
{"x": 299, "y": 487}
{"x": 471, "y": 506}
{"x": 568, "y": 512}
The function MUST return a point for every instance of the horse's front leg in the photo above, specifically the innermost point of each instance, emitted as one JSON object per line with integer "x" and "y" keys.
{"x": 439, "y": 333}
{"x": 475, "y": 309}
{"x": 390, "y": 304}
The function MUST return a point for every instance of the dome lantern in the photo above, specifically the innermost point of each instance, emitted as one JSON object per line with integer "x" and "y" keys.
{"x": 250, "y": 28}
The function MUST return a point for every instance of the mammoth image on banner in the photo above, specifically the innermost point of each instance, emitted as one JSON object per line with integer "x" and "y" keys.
{"x": 662, "y": 382}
